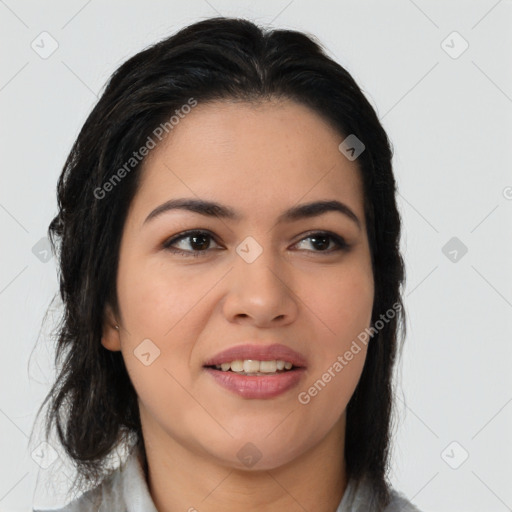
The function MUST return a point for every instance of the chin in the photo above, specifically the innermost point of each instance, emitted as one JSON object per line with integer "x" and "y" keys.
{"x": 261, "y": 451}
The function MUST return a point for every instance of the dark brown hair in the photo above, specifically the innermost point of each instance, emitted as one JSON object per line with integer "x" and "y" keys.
{"x": 93, "y": 404}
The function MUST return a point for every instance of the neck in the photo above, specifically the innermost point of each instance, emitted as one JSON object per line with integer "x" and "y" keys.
{"x": 183, "y": 480}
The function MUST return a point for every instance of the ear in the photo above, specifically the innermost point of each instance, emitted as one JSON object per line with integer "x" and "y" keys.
{"x": 110, "y": 337}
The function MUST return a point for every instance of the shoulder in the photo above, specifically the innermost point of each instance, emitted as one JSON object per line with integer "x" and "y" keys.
{"x": 361, "y": 497}
{"x": 105, "y": 497}
{"x": 124, "y": 489}
{"x": 399, "y": 503}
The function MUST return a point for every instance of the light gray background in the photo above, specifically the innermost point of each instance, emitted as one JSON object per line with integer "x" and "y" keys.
{"x": 449, "y": 119}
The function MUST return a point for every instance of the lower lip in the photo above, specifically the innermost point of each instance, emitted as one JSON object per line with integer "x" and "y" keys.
{"x": 251, "y": 386}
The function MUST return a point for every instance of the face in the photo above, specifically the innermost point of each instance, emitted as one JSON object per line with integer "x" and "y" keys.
{"x": 248, "y": 277}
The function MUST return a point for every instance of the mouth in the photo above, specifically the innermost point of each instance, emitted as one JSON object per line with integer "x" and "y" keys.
{"x": 256, "y": 371}
{"x": 253, "y": 367}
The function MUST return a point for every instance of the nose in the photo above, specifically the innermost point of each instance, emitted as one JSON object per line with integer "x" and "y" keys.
{"x": 261, "y": 293}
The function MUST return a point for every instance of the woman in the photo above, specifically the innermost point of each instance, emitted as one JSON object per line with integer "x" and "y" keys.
{"x": 230, "y": 271}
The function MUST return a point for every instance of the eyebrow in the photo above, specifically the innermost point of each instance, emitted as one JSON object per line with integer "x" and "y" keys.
{"x": 213, "y": 209}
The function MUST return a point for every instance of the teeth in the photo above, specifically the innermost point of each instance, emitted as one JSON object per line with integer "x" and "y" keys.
{"x": 236, "y": 366}
{"x": 251, "y": 366}
{"x": 267, "y": 366}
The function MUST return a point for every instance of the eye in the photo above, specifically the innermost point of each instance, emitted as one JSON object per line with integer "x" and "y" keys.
{"x": 325, "y": 242}
{"x": 199, "y": 241}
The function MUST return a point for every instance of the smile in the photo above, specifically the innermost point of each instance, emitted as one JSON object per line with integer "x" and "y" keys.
{"x": 255, "y": 367}
{"x": 257, "y": 371}
{"x": 254, "y": 379}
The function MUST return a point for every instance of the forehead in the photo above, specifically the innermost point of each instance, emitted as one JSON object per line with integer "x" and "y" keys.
{"x": 257, "y": 158}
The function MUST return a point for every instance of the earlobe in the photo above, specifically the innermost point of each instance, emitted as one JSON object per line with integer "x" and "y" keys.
{"x": 110, "y": 337}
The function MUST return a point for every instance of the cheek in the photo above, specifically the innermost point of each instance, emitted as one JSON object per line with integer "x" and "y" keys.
{"x": 155, "y": 298}
{"x": 162, "y": 305}
{"x": 343, "y": 306}
{"x": 350, "y": 309}
{"x": 342, "y": 302}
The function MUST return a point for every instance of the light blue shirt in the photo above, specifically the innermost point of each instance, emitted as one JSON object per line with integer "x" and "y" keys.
{"x": 126, "y": 490}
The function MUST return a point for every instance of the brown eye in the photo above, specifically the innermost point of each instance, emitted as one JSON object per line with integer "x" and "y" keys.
{"x": 198, "y": 241}
{"x": 325, "y": 242}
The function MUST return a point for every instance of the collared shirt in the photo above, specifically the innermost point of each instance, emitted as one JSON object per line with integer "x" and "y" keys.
{"x": 126, "y": 490}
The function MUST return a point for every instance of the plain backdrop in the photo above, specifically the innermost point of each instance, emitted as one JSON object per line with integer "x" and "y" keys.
{"x": 439, "y": 75}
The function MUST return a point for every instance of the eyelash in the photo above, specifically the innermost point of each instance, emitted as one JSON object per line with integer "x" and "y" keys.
{"x": 341, "y": 244}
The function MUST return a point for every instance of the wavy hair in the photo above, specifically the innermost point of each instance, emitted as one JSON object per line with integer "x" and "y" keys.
{"x": 92, "y": 404}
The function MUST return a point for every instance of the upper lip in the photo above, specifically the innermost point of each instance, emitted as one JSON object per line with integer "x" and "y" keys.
{"x": 259, "y": 353}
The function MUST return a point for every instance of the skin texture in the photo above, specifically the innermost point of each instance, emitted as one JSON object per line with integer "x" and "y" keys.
{"x": 259, "y": 159}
